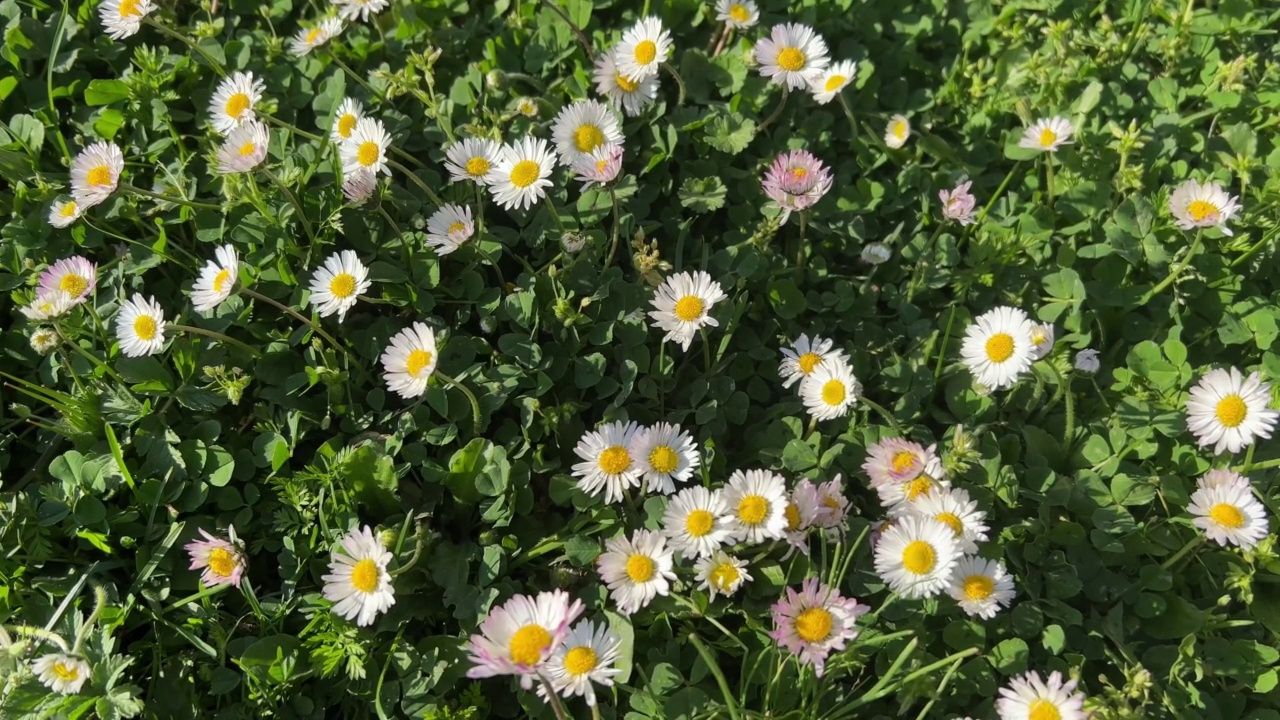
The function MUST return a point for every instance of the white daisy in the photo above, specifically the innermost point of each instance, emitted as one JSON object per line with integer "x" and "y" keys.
{"x": 313, "y": 37}
{"x": 1030, "y": 698}
{"x": 1229, "y": 514}
{"x": 1047, "y": 134}
{"x": 827, "y": 85}
{"x": 981, "y": 587}
{"x": 630, "y": 95}
{"x": 721, "y": 574}
{"x": 953, "y": 507}
{"x": 665, "y": 455}
{"x": 350, "y": 112}
{"x": 217, "y": 279}
{"x": 1042, "y": 335}
{"x": 63, "y": 212}
{"x": 586, "y": 657}
{"x": 601, "y": 167}
{"x": 914, "y": 556}
{"x": 472, "y": 159}
{"x": 830, "y": 390}
{"x": 95, "y": 173}
{"x": 833, "y": 505}
{"x": 643, "y": 47}
{"x": 409, "y": 360}
{"x": 803, "y": 507}
{"x": 234, "y": 100}
{"x": 682, "y": 306}
{"x": 520, "y": 636}
{"x": 358, "y": 583}
{"x": 697, "y": 522}
{"x": 757, "y": 501}
{"x": 608, "y": 463}
{"x": 366, "y": 149}
{"x": 900, "y": 498}
{"x": 997, "y": 347}
{"x": 1200, "y": 206}
{"x": 338, "y": 284}
{"x": 449, "y": 227}
{"x": 352, "y": 10}
{"x": 61, "y": 673}
{"x": 49, "y": 305}
{"x": 244, "y": 148}
{"x": 897, "y": 131}
{"x": 1220, "y": 477}
{"x": 1229, "y": 411}
{"x": 636, "y": 569}
{"x": 140, "y": 326}
{"x": 804, "y": 356}
{"x": 792, "y": 56}
{"x": 581, "y": 128}
{"x": 522, "y": 174}
{"x": 738, "y": 14}
{"x": 359, "y": 186}
{"x": 123, "y": 18}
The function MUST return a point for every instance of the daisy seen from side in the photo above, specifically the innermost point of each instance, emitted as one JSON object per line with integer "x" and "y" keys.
{"x": 63, "y": 212}
{"x": 636, "y": 569}
{"x": 981, "y": 587}
{"x": 358, "y": 187}
{"x": 353, "y": 10}
{"x": 1042, "y": 336}
{"x": 814, "y": 622}
{"x": 350, "y": 111}
{"x": 833, "y": 505}
{"x": 608, "y": 464}
{"x": 757, "y": 501}
{"x": 600, "y": 168}
{"x": 737, "y": 14}
{"x": 244, "y": 148}
{"x": 796, "y": 181}
{"x": 95, "y": 173}
{"x": 682, "y": 306}
{"x": 801, "y": 513}
{"x": 520, "y": 636}
{"x": 696, "y": 522}
{"x": 449, "y": 228}
{"x": 1229, "y": 411}
{"x": 896, "y": 460}
{"x": 997, "y": 347}
{"x": 954, "y": 508}
{"x": 409, "y": 360}
{"x": 1047, "y": 134}
{"x": 793, "y": 55}
{"x": 62, "y": 673}
{"x": 221, "y": 560}
{"x": 234, "y": 101}
{"x": 338, "y": 284}
{"x": 217, "y": 279}
{"x": 140, "y": 326}
{"x": 522, "y": 175}
{"x": 826, "y": 85}
{"x": 123, "y": 18}
{"x": 49, "y": 305}
{"x": 897, "y": 132}
{"x": 1219, "y": 477}
{"x": 308, "y": 39}
{"x": 1195, "y": 205}
{"x": 358, "y": 583}
{"x": 915, "y": 556}
{"x": 958, "y": 203}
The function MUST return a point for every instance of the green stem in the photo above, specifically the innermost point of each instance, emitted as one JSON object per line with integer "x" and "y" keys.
{"x": 217, "y": 66}
{"x": 917, "y": 274}
{"x": 706, "y": 349}
{"x": 475, "y": 404}
{"x": 803, "y": 248}
{"x": 1264, "y": 465}
{"x": 555, "y": 215}
{"x": 714, "y": 667}
{"x": 165, "y": 198}
{"x": 291, "y": 128}
{"x": 613, "y": 243}
{"x": 679, "y": 82}
{"x": 582, "y": 39}
{"x": 1266, "y": 238}
{"x": 90, "y": 357}
{"x": 848, "y": 113}
{"x": 204, "y": 592}
{"x": 419, "y": 544}
{"x": 942, "y": 348}
{"x": 417, "y": 181}
{"x": 315, "y": 327}
{"x": 999, "y": 191}
{"x": 1048, "y": 176}
{"x": 1177, "y": 269}
{"x": 782, "y": 102}
{"x": 883, "y": 413}
{"x": 1174, "y": 558}
{"x": 215, "y": 336}
{"x": 557, "y": 705}
{"x": 293, "y": 200}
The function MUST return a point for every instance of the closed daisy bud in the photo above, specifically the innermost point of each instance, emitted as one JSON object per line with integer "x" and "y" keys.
{"x": 721, "y": 574}
{"x": 123, "y": 18}
{"x": 897, "y": 131}
{"x": 792, "y": 56}
{"x": 796, "y": 181}
{"x": 244, "y": 148}
{"x": 49, "y": 305}
{"x": 1028, "y": 697}
{"x": 1194, "y": 205}
{"x": 140, "y": 327}
{"x": 958, "y": 204}
{"x": 350, "y": 112}
{"x": 234, "y": 101}
{"x": 1047, "y": 134}
{"x": 409, "y": 360}
{"x": 630, "y": 96}
{"x": 875, "y": 253}
{"x": 1087, "y": 362}
{"x": 359, "y": 186}
{"x": 636, "y": 570}
{"x": 338, "y": 284}
{"x": 366, "y": 149}
{"x": 815, "y": 622}
{"x": 1229, "y": 411}
{"x": 313, "y": 37}
{"x": 44, "y": 340}
{"x": 63, "y": 212}
{"x": 583, "y": 127}
{"x": 643, "y": 48}
{"x": 601, "y": 167}
{"x": 95, "y": 172}
{"x": 1222, "y": 478}
{"x": 62, "y": 673}
{"x": 449, "y": 227}
{"x": 833, "y": 505}
{"x": 358, "y": 583}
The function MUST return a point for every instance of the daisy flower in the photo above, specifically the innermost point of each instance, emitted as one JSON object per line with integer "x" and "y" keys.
{"x": 804, "y": 356}
{"x": 140, "y": 326}
{"x": 1087, "y": 362}
{"x": 830, "y": 390}
{"x": 63, "y": 212}
{"x": 472, "y": 159}
{"x": 1200, "y": 206}
{"x": 449, "y": 227}
{"x": 409, "y": 360}
{"x": 1229, "y": 514}
{"x": 897, "y": 131}
{"x": 875, "y": 253}
{"x": 522, "y": 174}
{"x": 521, "y": 635}
{"x": 123, "y": 18}
{"x": 234, "y": 100}
{"x": 953, "y": 508}
{"x": 630, "y": 95}
{"x": 896, "y": 460}
{"x": 815, "y": 622}
{"x": 358, "y": 187}
{"x": 607, "y": 461}
{"x": 217, "y": 279}
{"x": 1229, "y": 411}
{"x": 44, "y": 340}
{"x": 958, "y": 204}
{"x": 244, "y": 148}
{"x": 366, "y": 149}
{"x": 75, "y": 276}
{"x": 636, "y": 569}
{"x": 682, "y": 306}
{"x": 900, "y": 498}
{"x": 721, "y": 574}
{"x": 338, "y": 284}
{"x": 643, "y": 47}
{"x": 586, "y": 657}
{"x": 95, "y": 173}
{"x": 757, "y": 501}
{"x": 833, "y": 506}
{"x": 915, "y": 556}
{"x": 1222, "y": 478}
{"x": 61, "y": 673}
{"x": 358, "y": 582}
{"x": 696, "y": 522}
{"x": 313, "y": 37}
{"x": 737, "y": 14}
{"x": 997, "y": 347}
{"x": 792, "y": 56}
{"x": 601, "y": 167}
{"x": 350, "y": 112}
{"x": 581, "y": 128}
{"x": 223, "y": 561}
{"x": 826, "y": 85}
{"x": 352, "y": 10}
{"x": 665, "y": 455}
{"x": 801, "y": 512}
{"x": 981, "y": 587}
{"x": 49, "y": 305}
{"x": 796, "y": 181}
{"x": 1047, "y": 134}
{"x": 1029, "y": 698}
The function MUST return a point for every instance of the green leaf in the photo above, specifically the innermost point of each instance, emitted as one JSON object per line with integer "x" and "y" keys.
{"x": 703, "y": 195}
{"x": 105, "y": 92}
{"x": 730, "y": 133}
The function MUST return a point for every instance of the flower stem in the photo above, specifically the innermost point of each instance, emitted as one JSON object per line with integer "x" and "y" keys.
{"x": 214, "y": 335}
{"x": 613, "y": 242}
{"x": 582, "y": 39}
{"x": 679, "y": 81}
{"x": 782, "y": 102}
{"x": 1177, "y": 270}
{"x": 166, "y": 198}
{"x": 417, "y": 181}
{"x": 714, "y": 667}
{"x": 557, "y": 705}
{"x": 706, "y": 349}
{"x": 1048, "y": 176}
{"x": 471, "y": 398}
{"x": 217, "y": 66}
{"x": 1174, "y": 558}
{"x": 848, "y": 113}
{"x": 999, "y": 191}
{"x": 883, "y": 413}
{"x": 293, "y": 200}
{"x": 724, "y": 40}
{"x": 90, "y": 357}
{"x": 942, "y": 348}
{"x": 803, "y": 248}
{"x": 292, "y": 128}
{"x": 359, "y": 80}
{"x": 315, "y": 327}
{"x": 917, "y": 275}
{"x": 555, "y": 215}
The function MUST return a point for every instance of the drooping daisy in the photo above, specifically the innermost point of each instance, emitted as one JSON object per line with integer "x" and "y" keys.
{"x": 721, "y": 574}
{"x": 518, "y": 637}
{"x": 757, "y": 501}
{"x": 833, "y": 505}
{"x": 815, "y": 622}
{"x": 352, "y": 10}
{"x": 828, "y": 84}
{"x": 1200, "y": 206}
{"x": 738, "y": 14}
{"x": 897, "y": 131}
{"x": 49, "y": 305}
{"x": 358, "y": 187}
{"x": 522, "y": 174}
{"x": 409, "y": 360}
{"x": 338, "y": 284}
{"x": 896, "y": 460}
{"x": 636, "y": 569}
{"x": 981, "y": 587}
{"x": 472, "y": 159}
{"x": 313, "y": 37}
{"x": 95, "y": 173}
{"x": 581, "y": 128}
{"x": 1219, "y": 477}
{"x": 1029, "y": 698}
{"x": 1229, "y": 411}
{"x": 953, "y": 507}
{"x": 958, "y": 204}
{"x": 244, "y": 148}
{"x": 217, "y": 279}
{"x": 140, "y": 326}
{"x": 1229, "y": 514}
{"x": 631, "y": 96}
{"x": 61, "y": 673}
{"x": 607, "y": 461}
{"x": 915, "y": 556}
{"x": 665, "y": 455}
{"x": 643, "y": 47}
{"x": 804, "y": 356}
{"x": 1042, "y": 335}
{"x": 830, "y": 390}
{"x": 223, "y": 561}
{"x": 366, "y": 149}
{"x": 350, "y": 112}
{"x": 449, "y": 227}
{"x": 997, "y": 347}
{"x": 1087, "y": 361}
{"x": 234, "y": 101}
{"x": 1047, "y": 134}
{"x": 796, "y": 181}
{"x": 123, "y": 18}
{"x": 801, "y": 513}
{"x": 792, "y": 56}
{"x": 696, "y": 522}
{"x": 601, "y": 167}
{"x": 75, "y": 276}
{"x": 682, "y": 306}
{"x": 358, "y": 582}
{"x": 586, "y": 657}
{"x": 63, "y": 212}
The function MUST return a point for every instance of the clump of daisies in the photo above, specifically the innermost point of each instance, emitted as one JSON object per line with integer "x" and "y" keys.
{"x": 618, "y": 456}
{"x": 828, "y": 387}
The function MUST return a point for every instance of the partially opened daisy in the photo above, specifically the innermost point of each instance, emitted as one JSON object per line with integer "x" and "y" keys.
{"x": 358, "y": 582}
{"x": 1229, "y": 514}
{"x": 222, "y": 560}
{"x": 682, "y": 306}
{"x": 520, "y": 636}
{"x": 665, "y": 455}
{"x": 954, "y": 508}
{"x": 63, "y": 212}
{"x": 893, "y": 461}
{"x": 830, "y": 390}
{"x": 581, "y": 128}
{"x": 997, "y": 347}
{"x": 583, "y": 660}
{"x": 217, "y": 279}
{"x": 522, "y": 175}
{"x": 234, "y": 100}
{"x": 721, "y": 574}
{"x": 643, "y": 48}
{"x": 337, "y": 285}
{"x": 95, "y": 172}
{"x": 366, "y": 149}
{"x": 801, "y": 514}
{"x": 814, "y": 622}
{"x": 1229, "y": 411}
{"x": 958, "y": 204}
{"x": 123, "y": 18}
{"x": 897, "y": 131}
{"x": 352, "y": 10}
{"x": 631, "y": 96}
{"x": 140, "y": 326}
{"x": 60, "y": 672}
{"x": 915, "y": 556}
{"x": 757, "y": 501}
{"x": 833, "y": 505}
{"x": 472, "y": 159}
{"x": 49, "y": 305}
{"x": 1042, "y": 336}
{"x": 792, "y": 56}
{"x": 804, "y": 356}
{"x": 601, "y": 167}
{"x": 75, "y": 276}
{"x": 313, "y": 37}
{"x": 350, "y": 112}
{"x": 737, "y": 14}
{"x": 796, "y": 181}
{"x": 828, "y": 84}
{"x": 608, "y": 464}
{"x": 244, "y": 148}
{"x": 358, "y": 187}
{"x": 1047, "y": 134}
{"x": 1195, "y": 205}
{"x": 636, "y": 569}
{"x": 1220, "y": 477}
{"x": 409, "y": 360}
{"x": 449, "y": 227}
{"x": 1029, "y": 698}
{"x": 696, "y": 522}
{"x": 981, "y": 587}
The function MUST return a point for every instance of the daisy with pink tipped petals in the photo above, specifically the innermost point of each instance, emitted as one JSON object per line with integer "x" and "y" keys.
{"x": 833, "y": 506}
{"x": 518, "y": 637}
{"x": 75, "y": 276}
{"x": 896, "y": 460}
{"x": 600, "y": 167}
{"x": 796, "y": 181}
{"x": 958, "y": 204}
{"x": 223, "y": 561}
{"x": 815, "y": 622}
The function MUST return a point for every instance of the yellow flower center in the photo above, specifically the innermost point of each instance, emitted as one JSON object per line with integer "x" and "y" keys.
{"x": 833, "y": 392}
{"x": 1200, "y": 210}
{"x": 1227, "y": 516}
{"x": 813, "y": 625}
{"x": 663, "y": 459}
{"x": 73, "y": 285}
{"x": 646, "y": 51}
{"x": 1043, "y": 710}
{"x": 900, "y": 129}
{"x": 699, "y": 523}
{"x": 312, "y": 35}
{"x": 752, "y": 510}
{"x": 129, "y": 8}
{"x": 640, "y": 568}
{"x": 221, "y": 279}
{"x": 346, "y": 124}
{"x": 456, "y": 228}
{"x": 834, "y": 83}
{"x": 248, "y": 149}
{"x": 525, "y": 173}
{"x": 587, "y": 138}
{"x": 1048, "y": 137}
{"x": 418, "y": 360}
{"x": 999, "y": 347}
{"x": 739, "y": 13}
{"x": 342, "y": 286}
{"x": 528, "y": 643}
{"x": 919, "y": 557}
{"x": 615, "y": 460}
{"x": 831, "y": 502}
{"x": 364, "y": 576}
{"x": 99, "y": 175}
{"x": 222, "y": 562}
{"x": 920, "y": 486}
{"x": 368, "y": 153}
{"x": 1231, "y": 410}
{"x": 903, "y": 461}
{"x": 792, "y": 514}
{"x": 601, "y": 165}
{"x": 689, "y": 308}
{"x": 799, "y": 173}
{"x": 144, "y": 327}
{"x": 952, "y": 521}
{"x": 978, "y": 587}
{"x": 477, "y": 167}
{"x": 236, "y": 104}
{"x": 626, "y": 84}
{"x": 791, "y": 59}
{"x": 68, "y": 210}
{"x": 580, "y": 660}
{"x": 65, "y": 672}
{"x": 724, "y": 576}
{"x": 808, "y": 362}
